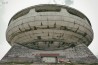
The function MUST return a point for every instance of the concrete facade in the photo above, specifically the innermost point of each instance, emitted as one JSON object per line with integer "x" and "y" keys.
{"x": 21, "y": 54}
{"x": 49, "y": 31}
{"x": 49, "y": 26}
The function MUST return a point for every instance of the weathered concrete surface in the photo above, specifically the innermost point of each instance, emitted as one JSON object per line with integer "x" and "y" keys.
{"x": 49, "y": 27}
{"x": 78, "y": 54}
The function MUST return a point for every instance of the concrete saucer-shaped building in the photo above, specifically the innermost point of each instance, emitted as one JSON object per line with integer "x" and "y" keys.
{"x": 49, "y": 27}
{"x": 50, "y": 31}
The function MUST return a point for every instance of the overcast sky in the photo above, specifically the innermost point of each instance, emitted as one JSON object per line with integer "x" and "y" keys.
{"x": 9, "y": 7}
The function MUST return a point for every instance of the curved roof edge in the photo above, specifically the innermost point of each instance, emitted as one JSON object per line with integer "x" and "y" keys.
{"x": 63, "y": 6}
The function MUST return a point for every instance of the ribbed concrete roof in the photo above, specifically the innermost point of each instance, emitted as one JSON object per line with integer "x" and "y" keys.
{"x": 49, "y": 27}
{"x": 69, "y": 9}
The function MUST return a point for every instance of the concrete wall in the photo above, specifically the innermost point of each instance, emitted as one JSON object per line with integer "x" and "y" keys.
{"x": 55, "y": 30}
{"x": 78, "y": 54}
